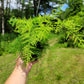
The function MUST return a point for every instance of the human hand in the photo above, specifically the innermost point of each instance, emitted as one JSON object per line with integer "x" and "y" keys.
{"x": 19, "y": 74}
{"x": 19, "y": 65}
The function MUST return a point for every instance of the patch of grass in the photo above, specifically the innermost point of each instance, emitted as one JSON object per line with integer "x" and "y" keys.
{"x": 59, "y": 66}
{"x": 7, "y": 64}
{"x": 10, "y": 44}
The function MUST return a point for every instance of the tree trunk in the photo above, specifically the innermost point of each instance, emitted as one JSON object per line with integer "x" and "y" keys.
{"x": 36, "y": 6}
{"x": 22, "y": 10}
{"x": 9, "y": 8}
{"x": 18, "y": 1}
{"x": 37, "y": 11}
{"x": 6, "y": 6}
{"x": 2, "y": 5}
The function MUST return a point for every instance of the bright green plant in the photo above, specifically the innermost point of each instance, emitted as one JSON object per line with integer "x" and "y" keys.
{"x": 32, "y": 31}
{"x": 6, "y": 43}
{"x": 74, "y": 26}
{"x": 72, "y": 30}
{"x": 36, "y": 30}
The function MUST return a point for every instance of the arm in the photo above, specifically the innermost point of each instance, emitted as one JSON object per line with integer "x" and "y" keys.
{"x": 19, "y": 75}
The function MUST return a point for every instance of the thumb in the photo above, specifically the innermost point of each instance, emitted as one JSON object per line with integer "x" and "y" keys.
{"x": 29, "y": 66}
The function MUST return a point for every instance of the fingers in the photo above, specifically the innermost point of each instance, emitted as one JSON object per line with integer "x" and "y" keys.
{"x": 34, "y": 62}
{"x": 19, "y": 63}
{"x": 29, "y": 66}
{"x": 18, "y": 57}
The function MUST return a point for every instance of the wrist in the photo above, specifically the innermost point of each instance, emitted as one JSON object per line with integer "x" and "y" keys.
{"x": 20, "y": 71}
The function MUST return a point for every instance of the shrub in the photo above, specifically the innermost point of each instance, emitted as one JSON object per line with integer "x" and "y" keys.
{"x": 8, "y": 36}
{"x": 33, "y": 32}
{"x": 14, "y": 46}
{"x": 72, "y": 29}
{"x": 1, "y": 51}
{"x": 7, "y": 43}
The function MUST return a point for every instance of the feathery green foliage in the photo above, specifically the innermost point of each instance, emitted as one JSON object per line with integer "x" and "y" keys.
{"x": 36, "y": 30}
{"x": 32, "y": 31}
{"x": 72, "y": 29}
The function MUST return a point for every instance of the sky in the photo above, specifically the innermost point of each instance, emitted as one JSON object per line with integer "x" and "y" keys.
{"x": 56, "y": 5}
{"x": 14, "y": 6}
{"x": 0, "y": 3}
{"x": 64, "y": 7}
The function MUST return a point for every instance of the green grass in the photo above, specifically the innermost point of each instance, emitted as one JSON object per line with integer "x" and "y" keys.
{"x": 7, "y": 64}
{"x": 57, "y": 66}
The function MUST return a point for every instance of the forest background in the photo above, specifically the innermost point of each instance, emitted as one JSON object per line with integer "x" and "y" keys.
{"x": 35, "y": 27}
